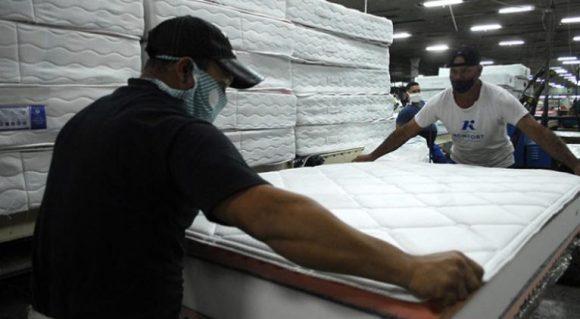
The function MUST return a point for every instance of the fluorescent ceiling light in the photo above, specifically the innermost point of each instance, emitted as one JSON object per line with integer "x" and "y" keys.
{"x": 439, "y": 47}
{"x": 567, "y": 58}
{"x": 441, "y": 3}
{"x": 486, "y": 62}
{"x": 516, "y": 9}
{"x": 401, "y": 35}
{"x": 571, "y": 62}
{"x": 486, "y": 27}
{"x": 577, "y": 38}
{"x": 571, "y": 20}
{"x": 511, "y": 43}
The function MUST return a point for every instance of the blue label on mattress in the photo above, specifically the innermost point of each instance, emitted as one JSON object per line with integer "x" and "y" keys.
{"x": 22, "y": 117}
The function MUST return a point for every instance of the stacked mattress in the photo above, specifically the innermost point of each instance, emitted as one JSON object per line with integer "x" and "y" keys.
{"x": 513, "y": 78}
{"x": 325, "y": 69}
{"x": 490, "y": 214}
{"x": 260, "y": 122}
{"x": 340, "y": 75}
{"x": 56, "y": 57}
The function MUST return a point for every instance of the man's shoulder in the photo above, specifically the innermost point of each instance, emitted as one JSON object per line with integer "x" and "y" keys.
{"x": 495, "y": 92}
{"x": 440, "y": 97}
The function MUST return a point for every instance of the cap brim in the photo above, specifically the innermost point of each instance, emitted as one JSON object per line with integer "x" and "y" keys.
{"x": 244, "y": 77}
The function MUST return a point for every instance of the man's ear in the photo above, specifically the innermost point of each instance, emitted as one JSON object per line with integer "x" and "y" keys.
{"x": 184, "y": 69}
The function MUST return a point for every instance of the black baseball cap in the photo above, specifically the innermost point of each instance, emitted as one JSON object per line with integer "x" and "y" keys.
{"x": 469, "y": 54}
{"x": 196, "y": 38}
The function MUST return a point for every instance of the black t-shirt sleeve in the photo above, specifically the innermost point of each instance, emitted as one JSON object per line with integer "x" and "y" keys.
{"x": 207, "y": 168}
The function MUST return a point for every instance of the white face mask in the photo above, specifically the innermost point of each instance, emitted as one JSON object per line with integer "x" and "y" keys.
{"x": 205, "y": 100}
{"x": 415, "y": 97}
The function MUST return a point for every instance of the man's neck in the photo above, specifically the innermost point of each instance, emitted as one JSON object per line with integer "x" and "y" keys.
{"x": 467, "y": 99}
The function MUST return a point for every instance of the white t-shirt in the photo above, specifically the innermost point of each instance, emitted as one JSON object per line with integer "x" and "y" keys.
{"x": 479, "y": 132}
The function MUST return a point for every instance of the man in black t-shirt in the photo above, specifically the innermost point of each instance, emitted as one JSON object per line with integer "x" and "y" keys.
{"x": 130, "y": 171}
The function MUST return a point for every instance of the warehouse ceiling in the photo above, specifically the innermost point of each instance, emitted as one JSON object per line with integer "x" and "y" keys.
{"x": 432, "y": 26}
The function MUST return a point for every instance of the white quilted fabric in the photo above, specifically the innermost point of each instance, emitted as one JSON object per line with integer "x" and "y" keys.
{"x": 316, "y": 139}
{"x": 61, "y": 103}
{"x": 336, "y": 18}
{"x": 276, "y": 70}
{"x": 120, "y": 17}
{"x": 308, "y": 78}
{"x": 312, "y": 45}
{"x": 487, "y": 213}
{"x": 13, "y": 197}
{"x": 23, "y": 176}
{"x": 504, "y": 80}
{"x": 270, "y": 8}
{"x": 40, "y": 55}
{"x": 333, "y": 109}
{"x": 517, "y": 70}
{"x": 246, "y": 32}
{"x": 262, "y": 147}
{"x": 257, "y": 110}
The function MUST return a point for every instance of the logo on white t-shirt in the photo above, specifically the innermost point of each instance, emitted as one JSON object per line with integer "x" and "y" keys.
{"x": 468, "y": 125}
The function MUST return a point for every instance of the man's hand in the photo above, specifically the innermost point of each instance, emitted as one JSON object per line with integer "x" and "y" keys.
{"x": 364, "y": 158}
{"x": 577, "y": 168}
{"x": 445, "y": 277}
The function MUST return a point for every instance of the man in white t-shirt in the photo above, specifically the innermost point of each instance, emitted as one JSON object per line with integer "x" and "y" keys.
{"x": 476, "y": 113}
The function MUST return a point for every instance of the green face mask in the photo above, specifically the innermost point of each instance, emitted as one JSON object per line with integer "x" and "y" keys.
{"x": 205, "y": 100}
{"x": 208, "y": 99}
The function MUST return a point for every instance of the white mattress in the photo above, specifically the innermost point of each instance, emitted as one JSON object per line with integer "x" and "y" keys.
{"x": 260, "y": 147}
{"x": 315, "y": 46}
{"x": 317, "y": 139}
{"x": 517, "y": 70}
{"x": 507, "y": 81}
{"x": 575, "y": 149}
{"x": 333, "y": 109}
{"x": 257, "y": 110}
{"x": 39, "y": 55}
{"x": 61, "y": 103}
{"x": 270, "y": 8}
{"x": 120, "y": 17}
{"x": 414, "y": 150}
{"x": 309, "y": 78}
{"x": 420, "y": 208}
{"x": 23, "y": 176}
{"x": 246, "y": 32}
{"x": 276, "y": 70}
{"x": 336, "y": 18}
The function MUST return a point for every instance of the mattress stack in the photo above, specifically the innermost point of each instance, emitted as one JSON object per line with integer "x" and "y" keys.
{"x": 260, "y": 122}
{"x": 56, "y": 57}
{"x": 340, "y": 75}
{"x": 325, "y": 68}
{"x": 513, "y": 78}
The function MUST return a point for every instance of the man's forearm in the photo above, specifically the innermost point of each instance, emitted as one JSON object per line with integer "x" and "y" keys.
{"x": 556, "y": 148}
{"x": 392, "y": 142}
{"x": 327, "y": 244}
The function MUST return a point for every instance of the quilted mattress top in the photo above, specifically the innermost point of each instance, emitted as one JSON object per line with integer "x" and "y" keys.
{"x": 487, "y": 213}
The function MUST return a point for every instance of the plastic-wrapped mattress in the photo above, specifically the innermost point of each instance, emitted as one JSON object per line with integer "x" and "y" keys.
{"x": 257, "y": 110}
{"x": 119, "y": 17}
{"x": 318, "y": 139}
{"x": 313, "y": 45}
{"x": 23, "y": 176}
{"x": 308, "y": 78}
{"x": 336, "y": 18}
{"x": 246, "y": 32}
{"x": 268, "y": 146}
{"x": 319, "y": 109}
